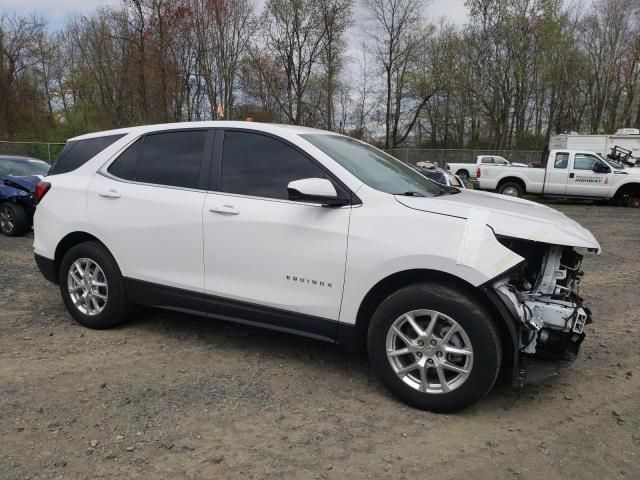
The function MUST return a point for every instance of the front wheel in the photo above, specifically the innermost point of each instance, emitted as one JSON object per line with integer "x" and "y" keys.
{"x": 434, "y": 348}
{"x": 92, "y": 287}
{"x": 13, "y": 220}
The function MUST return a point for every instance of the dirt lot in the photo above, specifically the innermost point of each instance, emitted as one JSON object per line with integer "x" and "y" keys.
{"x": 175, "y": 396}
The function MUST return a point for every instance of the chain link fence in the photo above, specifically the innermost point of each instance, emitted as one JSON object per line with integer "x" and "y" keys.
{"x": 40, "y": 150}
{"x": 442, "y": 156}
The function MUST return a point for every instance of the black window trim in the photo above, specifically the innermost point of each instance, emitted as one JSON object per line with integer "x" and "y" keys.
{"x": 205, "y": 161}
{"x": 216, "y": 170}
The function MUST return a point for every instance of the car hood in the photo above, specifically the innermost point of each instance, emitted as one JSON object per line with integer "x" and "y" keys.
{"x": 509, "y": 216}
{"x": 27, "y": 183}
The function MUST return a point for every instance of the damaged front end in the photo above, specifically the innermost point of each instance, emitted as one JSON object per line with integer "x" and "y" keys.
{"x": 542, "y": 294}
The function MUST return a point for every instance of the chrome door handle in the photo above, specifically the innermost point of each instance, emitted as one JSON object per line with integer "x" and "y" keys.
{"x": 110, "y": 194}
{"x": 224, "y": 209}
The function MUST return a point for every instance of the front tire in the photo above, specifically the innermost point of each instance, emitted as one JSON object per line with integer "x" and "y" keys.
{"x": 434, "y": 348}
{"x": 92, "y": 286}
{"x": 14, "y": 221}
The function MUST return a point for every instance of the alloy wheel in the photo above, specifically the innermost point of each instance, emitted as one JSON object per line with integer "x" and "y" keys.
{"x": 429, "y": 351}
{"x": 87, "y": 286}
{"x": 7, "y": 219}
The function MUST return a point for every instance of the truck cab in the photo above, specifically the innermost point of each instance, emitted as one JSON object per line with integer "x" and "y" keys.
{"x": 580, "y": 174}
{"x": 491, "y": 160}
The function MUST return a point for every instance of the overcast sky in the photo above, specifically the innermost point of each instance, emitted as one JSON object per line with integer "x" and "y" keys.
{"x": 57, "y": 11}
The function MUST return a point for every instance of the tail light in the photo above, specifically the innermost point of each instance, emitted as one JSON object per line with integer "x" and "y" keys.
{"x": 478, "y": 173}
{"x": 41, "y": 190}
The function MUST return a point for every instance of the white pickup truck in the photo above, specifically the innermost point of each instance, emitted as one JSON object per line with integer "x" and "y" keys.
{"x": 568, "y": 174}
{"x": 468, "y": 170}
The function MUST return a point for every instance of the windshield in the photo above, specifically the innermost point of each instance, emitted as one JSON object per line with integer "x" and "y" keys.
{"x": 23, "y": 168}
{"x": 374, "y": 167}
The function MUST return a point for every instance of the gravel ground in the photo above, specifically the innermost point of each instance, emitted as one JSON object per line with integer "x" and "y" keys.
{"x": 175, "y": 396}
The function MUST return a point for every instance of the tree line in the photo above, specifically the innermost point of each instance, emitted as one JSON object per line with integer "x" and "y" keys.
{"x": 517, "y": 72}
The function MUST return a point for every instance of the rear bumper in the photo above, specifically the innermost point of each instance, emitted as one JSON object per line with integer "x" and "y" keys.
{"x": 47, "y": 268}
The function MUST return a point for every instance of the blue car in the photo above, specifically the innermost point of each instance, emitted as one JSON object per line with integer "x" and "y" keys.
{"x": 18, "y": 179}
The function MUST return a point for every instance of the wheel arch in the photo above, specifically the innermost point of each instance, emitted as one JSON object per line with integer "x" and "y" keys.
{"x": 628, "y": 188}
{"x": 388, "y": 285}
{"x": 69, "y": 241}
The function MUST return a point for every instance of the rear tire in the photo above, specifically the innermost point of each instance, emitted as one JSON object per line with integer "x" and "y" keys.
{"x": 14, "y": 221}
{"x": 511, "y": 189}
{"x": 92, "y": 286}
{"x": 454, "y": 371}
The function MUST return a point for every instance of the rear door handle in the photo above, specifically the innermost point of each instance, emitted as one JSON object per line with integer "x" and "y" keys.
{"x": 224, "y": 209}
{"x": 110, "y": 194}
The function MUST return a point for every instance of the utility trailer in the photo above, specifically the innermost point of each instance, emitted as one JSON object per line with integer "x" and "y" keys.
{"x": 626, "y": 138}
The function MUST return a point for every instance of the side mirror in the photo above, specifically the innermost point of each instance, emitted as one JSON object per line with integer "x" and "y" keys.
{"x": 601, "y": 168}
{"x": 315, "y": 190}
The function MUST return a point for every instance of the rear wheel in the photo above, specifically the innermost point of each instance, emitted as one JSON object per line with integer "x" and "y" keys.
{"x": 92, "y": 287}
{"x": 434, "y": 348}
{"x": 13, "y": 220}
{"x": 511, "y": 189}
{"x": 464, "y": 175}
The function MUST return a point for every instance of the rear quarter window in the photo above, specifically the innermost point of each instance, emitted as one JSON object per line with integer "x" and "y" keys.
{"x": 77, "y": 153}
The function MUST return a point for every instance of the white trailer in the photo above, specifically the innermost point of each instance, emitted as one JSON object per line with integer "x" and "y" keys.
{"x": 628, "y": 138}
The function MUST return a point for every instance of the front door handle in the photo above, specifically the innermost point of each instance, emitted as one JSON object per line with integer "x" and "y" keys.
{"x": 224, "y": 209}
{"x": 571, "y": 175}
{"x": 110, "y": 194}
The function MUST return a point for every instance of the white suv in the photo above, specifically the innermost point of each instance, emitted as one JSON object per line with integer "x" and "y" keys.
{"x": 314, "y": 233}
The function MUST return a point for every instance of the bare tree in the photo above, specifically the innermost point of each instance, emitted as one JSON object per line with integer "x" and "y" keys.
{"x": 18, "y": 55}
{"x": 336, "y": 18}
{"x": 397, "y": 32}
{"x": 293, "y": 35}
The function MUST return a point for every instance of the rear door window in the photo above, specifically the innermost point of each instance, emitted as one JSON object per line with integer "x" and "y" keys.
{"x": 78, "y": 152}
{"x": 172, "y": 158}
{"x": 126, "y": 164}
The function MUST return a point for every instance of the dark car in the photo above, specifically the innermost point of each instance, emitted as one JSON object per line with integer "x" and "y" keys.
{"x": 18, "y": 179}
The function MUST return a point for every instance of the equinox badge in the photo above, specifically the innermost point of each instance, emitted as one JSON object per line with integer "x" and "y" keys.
{"x": 309, "y": 281}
